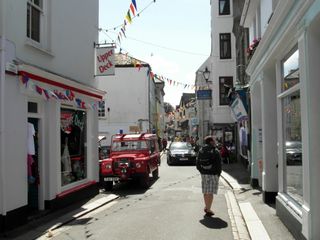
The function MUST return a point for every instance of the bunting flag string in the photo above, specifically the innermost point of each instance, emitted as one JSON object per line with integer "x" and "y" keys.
{"x": 137, "y": 64}
{"x": 62, "y": 96}
{"x": 128, "y": 19}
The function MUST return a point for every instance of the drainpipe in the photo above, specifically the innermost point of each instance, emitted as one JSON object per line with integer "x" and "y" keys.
{"x": 2, "y": 79}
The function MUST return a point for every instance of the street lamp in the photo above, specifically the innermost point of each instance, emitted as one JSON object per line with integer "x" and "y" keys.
{"x": 206, "y": 74}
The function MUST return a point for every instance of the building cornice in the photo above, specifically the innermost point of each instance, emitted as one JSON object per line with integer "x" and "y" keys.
{"x": 277, "y": 30}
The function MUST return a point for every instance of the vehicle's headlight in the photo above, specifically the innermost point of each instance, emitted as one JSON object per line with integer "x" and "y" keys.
{"x": 138, "y": 165}
{"x": 108, "y": 166}
{"x": 193, "y": 153}
{"x": 172, "y": 155}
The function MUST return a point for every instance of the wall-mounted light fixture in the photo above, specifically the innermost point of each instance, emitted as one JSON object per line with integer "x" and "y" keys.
{"x": 206, "y": 74}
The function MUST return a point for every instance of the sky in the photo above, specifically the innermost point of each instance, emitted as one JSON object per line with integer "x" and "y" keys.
{"x": 172, "y": 36}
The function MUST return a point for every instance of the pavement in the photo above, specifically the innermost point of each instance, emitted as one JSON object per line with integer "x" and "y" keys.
{"x": 260, "y": 219}
{"x": 250, "y": 217}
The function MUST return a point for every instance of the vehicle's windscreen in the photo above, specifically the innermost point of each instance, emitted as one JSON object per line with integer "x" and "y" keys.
{"x": 180, "y": 145}
{"x": 129, "y": 146}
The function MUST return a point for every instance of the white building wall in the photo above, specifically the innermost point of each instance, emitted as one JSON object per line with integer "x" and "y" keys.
{"x": 15, "y": 154}
{"x": 257, "y": 131}
{"x": 221, "y": 67}
{"x": 266, "y": 11}
{"x": 68, "y": 51}
{"x": 66, "y": 48}
{"x": 128, "y": 99}
{"x": 299, "y": 21}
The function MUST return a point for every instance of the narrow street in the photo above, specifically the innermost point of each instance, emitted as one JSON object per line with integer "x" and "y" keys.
{"x": 171, "y": 209}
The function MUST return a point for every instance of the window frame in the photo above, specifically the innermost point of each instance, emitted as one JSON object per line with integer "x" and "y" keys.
{"x": 102, "y": 113}
{"x": 31, "y": 6}
{"x": 219, "y": 9}
{"x": 281, "y": 96}
{"x": 221, "y": 44}
{"x": 83, "y": 141}
{"x": 221, "y": 103}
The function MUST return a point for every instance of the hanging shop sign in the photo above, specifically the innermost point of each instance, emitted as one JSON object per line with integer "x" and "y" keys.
{"x": 204, "y": 94}
{"x": 105, "y": 61}
{"x": 238, "y": 110}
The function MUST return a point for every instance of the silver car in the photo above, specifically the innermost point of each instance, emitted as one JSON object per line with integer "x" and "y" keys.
{"x": 181, "y": 152}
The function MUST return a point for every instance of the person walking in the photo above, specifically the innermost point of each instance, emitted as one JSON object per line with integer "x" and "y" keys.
{"x": 209, "y": 165}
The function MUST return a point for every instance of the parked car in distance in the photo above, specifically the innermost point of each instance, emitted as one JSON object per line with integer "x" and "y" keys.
{"x": 293, "y": 153}
{"x": 181, "y": 152}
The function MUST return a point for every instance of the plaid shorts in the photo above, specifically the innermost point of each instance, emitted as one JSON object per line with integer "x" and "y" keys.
{"x": 210, "y": 183}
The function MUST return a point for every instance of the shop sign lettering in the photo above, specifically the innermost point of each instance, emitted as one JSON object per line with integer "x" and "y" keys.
{"x": 104, "y": 61}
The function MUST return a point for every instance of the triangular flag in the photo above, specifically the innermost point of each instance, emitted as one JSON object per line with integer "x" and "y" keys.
{"x": 78, "y": 101}
{"x": 39, "y": 89}
{"x": 151, "y": 74}
{"x": 138, "y": 66}
{"x": 123, "y": 32}
{"x": 128, "y": 17}
{"x": 132, "y": 9}
{"x": 52, "y": 94}
{"x": 25, "y": 79}
{"x": 46, "y": 93}
{"x": 135, "y": 5}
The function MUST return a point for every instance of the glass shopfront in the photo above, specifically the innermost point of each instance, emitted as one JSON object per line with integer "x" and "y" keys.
{"x": 73, "y": 145}
{"x": 291, "y": 125}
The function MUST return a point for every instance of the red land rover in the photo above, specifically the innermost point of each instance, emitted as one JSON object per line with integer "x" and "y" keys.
{"x": 131, "y": 156}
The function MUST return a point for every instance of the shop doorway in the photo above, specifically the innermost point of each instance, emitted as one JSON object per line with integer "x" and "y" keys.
{"x": 33, "y": 165}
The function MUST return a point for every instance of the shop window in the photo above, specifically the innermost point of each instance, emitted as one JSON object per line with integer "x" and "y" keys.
{"x": 224, "y": 7}
{"x": 73, "y": 145}
{"x": 102, "y": 109}
{"x": 291, "y": 125}
{"x": 290, "y": 71}
{"x": 225, "y": 84}
{"x": 225, "y": 45}
{"x": 34, "y": 13}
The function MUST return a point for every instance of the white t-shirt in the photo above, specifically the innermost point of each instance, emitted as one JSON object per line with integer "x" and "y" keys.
{"x": 31, "y": 133}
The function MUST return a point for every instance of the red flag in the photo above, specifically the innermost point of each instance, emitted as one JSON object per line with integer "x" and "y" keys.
{"x": 133, "y": 9}
{"x": 151, "y": 74}
{"x": 39, "y": 89}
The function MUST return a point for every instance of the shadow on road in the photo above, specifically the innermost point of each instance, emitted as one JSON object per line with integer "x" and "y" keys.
{"x": 213, "y": 222}
{"x": 133, "y": 187}
{"x": 80, "y": 221}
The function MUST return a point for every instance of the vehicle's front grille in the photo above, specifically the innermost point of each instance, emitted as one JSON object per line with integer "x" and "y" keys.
{"x": 120, "y": 161}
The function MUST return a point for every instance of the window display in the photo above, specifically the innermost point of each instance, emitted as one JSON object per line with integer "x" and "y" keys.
{"x": 73, "y": 145}
{"x": 291, "y": 110}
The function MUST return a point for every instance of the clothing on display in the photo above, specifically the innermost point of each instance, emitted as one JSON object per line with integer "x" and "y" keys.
{"x": 30, "y": 139}
{"x": 65, "y": 158}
